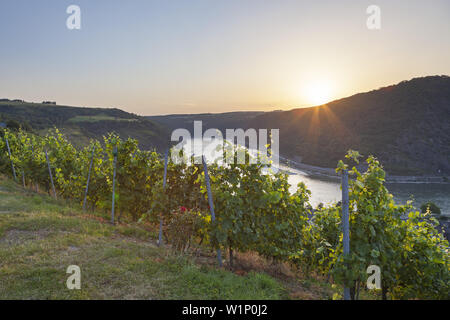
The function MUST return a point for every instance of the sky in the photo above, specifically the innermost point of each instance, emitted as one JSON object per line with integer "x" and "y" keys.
{"x": 192, "y": 56}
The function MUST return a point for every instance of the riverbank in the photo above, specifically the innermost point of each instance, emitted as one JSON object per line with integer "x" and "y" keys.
{"x": 331, "y": 173}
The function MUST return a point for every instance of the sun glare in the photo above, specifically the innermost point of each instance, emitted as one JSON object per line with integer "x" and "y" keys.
{"x": 318, "y": 93}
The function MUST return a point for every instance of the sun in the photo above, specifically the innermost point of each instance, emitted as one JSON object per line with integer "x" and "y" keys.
{"x": 318, "y": 93}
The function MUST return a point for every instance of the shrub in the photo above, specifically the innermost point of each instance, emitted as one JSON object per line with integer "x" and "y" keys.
{"x": 431, "y": 207}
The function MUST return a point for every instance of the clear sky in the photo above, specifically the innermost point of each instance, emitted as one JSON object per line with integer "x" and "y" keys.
{"x": 191, "y": 56}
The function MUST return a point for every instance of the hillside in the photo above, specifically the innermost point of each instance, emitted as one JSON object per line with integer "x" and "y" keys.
{"x": 82, "y": 124}
{"x": 219, "y": 121}
{"x": 40, "y": 237}
{"x": 407, "y": 126}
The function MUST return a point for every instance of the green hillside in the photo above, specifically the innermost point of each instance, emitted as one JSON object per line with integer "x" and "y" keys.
{"x": 81, "y": 124}
{"x": 219, "y": 121}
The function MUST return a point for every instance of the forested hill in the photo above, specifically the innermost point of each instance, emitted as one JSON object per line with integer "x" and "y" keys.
{"x": 407, "y": 126}
{"x": 81, "y": 124}
{"x": 221, "y": 121}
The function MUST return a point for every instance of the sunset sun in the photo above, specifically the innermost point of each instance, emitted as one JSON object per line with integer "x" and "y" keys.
{"x": 318, "y": 93}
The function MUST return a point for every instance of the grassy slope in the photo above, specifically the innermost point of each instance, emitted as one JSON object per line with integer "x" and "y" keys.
{"x": 40, "y": 237}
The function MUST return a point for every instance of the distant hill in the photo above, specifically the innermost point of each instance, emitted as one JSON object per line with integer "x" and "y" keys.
{"x": 219, "y": 121}
{"x": 82, "y": 124}
{"x": 407, "y": 126}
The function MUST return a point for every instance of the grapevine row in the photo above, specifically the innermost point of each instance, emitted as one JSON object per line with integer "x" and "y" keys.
{"x": 254, "y": 211}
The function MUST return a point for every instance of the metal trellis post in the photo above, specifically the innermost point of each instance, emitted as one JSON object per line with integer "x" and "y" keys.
{"x": 211, "y": 203}
{"x": 88, "y": 178}
{"x": 114, "y": 184}
{"x": 50, "y": 173}
{"x": 166, "y": 160}
{"x": 10, "y": 159}
{"x": 345, "y": 223}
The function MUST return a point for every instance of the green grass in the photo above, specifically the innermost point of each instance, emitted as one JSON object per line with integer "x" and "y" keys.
{"x": 40, "y": 237}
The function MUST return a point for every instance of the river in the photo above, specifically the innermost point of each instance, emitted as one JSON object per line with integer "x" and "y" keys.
{"x": 327, "y": 190}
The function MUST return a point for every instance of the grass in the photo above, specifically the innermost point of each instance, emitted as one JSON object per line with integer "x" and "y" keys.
{"x": 40, "y": 237}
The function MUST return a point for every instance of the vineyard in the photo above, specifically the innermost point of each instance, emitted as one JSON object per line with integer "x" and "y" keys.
{"x": 254, "y": 212}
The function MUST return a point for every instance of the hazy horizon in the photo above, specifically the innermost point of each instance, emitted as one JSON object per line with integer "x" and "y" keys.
{"x": 179, "y": 57}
